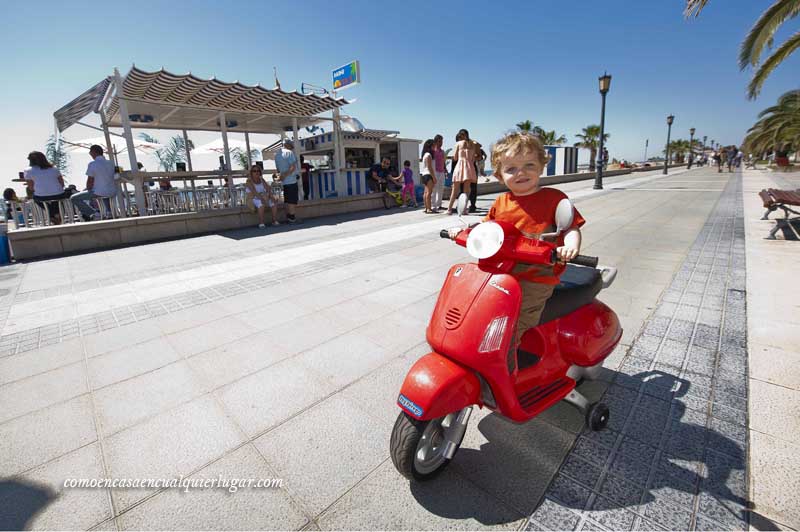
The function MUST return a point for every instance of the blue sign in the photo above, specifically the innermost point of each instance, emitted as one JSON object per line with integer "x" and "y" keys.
{"x": 346, "y": 76}
{"x": 409, "y": 405}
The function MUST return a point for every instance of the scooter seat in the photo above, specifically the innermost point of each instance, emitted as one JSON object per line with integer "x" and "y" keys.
{"x": 578, "y": 287}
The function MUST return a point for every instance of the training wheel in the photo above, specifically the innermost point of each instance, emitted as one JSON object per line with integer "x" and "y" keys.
{"x": 597, "y": 416}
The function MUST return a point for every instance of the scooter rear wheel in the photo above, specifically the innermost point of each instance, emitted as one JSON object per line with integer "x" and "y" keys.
{"x": 597, "y": 416}
{"x": 417, "y": 447}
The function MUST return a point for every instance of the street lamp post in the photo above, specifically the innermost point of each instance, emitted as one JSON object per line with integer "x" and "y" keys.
{"x": 705, "y": 137}
{"x": 691, "y": 146}
{"x": 605, "y": 85}
{"x": 670, "y": 119}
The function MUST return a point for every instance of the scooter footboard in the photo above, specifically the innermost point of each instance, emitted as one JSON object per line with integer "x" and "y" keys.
{"x": 436, "y": 386}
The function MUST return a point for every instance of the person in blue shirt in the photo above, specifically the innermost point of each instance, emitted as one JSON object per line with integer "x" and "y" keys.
{"x": 288, "y": 173}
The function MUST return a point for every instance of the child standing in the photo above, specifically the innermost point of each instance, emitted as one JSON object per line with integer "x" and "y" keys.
{"x": 518, "y": 160}
{"x": 408, "y": 185}
{"x": 275, "y": 197}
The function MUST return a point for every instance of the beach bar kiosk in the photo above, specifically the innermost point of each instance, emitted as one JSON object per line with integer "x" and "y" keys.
{"x": 362, "y": 149}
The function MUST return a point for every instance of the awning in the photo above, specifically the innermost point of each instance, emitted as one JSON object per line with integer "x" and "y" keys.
{"x": 162, "y": 100}
{"x": 81, "y": 106}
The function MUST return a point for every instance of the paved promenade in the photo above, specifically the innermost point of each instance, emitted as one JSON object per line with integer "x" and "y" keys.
{"x": 278, "y": 354}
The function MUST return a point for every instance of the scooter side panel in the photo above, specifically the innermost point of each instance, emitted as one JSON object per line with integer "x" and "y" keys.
{"x": 588, "y": 335}
{"x": 436, "y": 386}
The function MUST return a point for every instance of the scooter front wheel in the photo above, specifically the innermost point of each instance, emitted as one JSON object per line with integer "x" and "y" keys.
{"x": 419, "y": 448}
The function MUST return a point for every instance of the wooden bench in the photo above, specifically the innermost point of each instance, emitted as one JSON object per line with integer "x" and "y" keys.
{"x": 774, "y": 199}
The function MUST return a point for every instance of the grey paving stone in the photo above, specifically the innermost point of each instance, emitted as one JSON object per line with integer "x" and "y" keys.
{"x": 24, "y": 365}
{"x": 346, "y": 358}
{"x": 666, "y": 309}
{"x": 430, "y": 503}
{"x": 337, "y": 430}
{"x": 612, "y": 518}
{"x": 621, "y": 492}
{"x": 550, "y": 515}
{"x": 655, "y": 405}
{"x": 566, "y": 491}
{"x": 681, "y": 330}
{"x": 671, "y": 296}
{"x": 657, "y": 326}
{"x": 688, "y": 309}
{"x": 28, "y": 440}
{"x": 733, "y": 432}
{"x": 730, "y": 400}
{"x": 606, "y": 438}
{"x": 706, "y": 336}
{"x": 126, "y": 403}
{"x": 589, "y": 524}
{"x": 42, "y": 390}
{"x": 630, "y": 469}
{"x": 644, "y": 524}
{"x": 198, "y": 432}
{"x": 722, "y": 514}
{"x": 667, "y": 515}
{"x": 728, "y": 414}
{"x": 215, "y": 509}
{"x": 69, "y": 508}
{"x": 673, "y": 353}
{"x": 129, "y": 362}
{"x": 581, "y": 471}
{"x": 712, "y": 302}
{"x": 682, "y": 471}
{"x": 288, "y": 387}
{"x": 696, "y": 286}
{"x": 636, "y": 450}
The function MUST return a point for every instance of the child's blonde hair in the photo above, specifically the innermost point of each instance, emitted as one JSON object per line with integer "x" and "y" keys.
{"x": 516, "y": 143}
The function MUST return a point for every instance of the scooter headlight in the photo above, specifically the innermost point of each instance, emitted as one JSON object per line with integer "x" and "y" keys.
{"x": 485, "y": 240}
{"x": 493, "y": 336}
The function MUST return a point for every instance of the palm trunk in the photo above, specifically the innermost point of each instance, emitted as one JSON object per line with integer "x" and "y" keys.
{"x": 592, "y": 157}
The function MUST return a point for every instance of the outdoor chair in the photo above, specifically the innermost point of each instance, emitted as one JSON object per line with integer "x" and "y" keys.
{"x": 774, "y": 199}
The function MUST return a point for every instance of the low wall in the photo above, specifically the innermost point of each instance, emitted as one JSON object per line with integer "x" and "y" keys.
{"x": 495, "y": 187}
{"x": 70, "y": 238}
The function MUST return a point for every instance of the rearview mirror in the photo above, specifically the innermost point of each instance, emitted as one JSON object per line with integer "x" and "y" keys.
{"x": 565, "y": 214}
{"x": 461, "y": 206}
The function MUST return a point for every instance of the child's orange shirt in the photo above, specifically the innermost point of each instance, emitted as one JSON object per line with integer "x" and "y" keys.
{"x": 533, "y": 215}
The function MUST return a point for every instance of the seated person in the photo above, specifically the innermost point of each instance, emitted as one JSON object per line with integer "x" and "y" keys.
{"x": 46, "y": 184}
{"x": 518, "y": 160}
{"x": 380, "y": 179}
{"x": 10, "y": 195}
{"x": 100, "y": 184}
{"x": 164, "y": 184}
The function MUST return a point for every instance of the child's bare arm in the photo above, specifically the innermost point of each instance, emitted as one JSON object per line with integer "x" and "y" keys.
{"x": 572, "y": 245}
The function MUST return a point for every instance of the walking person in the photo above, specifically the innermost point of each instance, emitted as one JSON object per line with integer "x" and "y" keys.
{"x": 480, "y": 164}
{"x": 288, "y": 172}
{"x": 100, "y": 185}
{"x": 464, "y": 174}
{"x": 306, "y": 173}
{"x": 408, "y": 186}
{"x": 428, "y": 175}
{"x": 441, "y": 173}
{"x": 731, "y": 157}
{"x": 46, "y": 183}
{"x": 718, "y": 159}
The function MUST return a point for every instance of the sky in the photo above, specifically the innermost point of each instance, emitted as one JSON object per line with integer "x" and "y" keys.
{"x": 426, "y": 67}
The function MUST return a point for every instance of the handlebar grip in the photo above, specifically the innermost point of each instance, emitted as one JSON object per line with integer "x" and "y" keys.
{"x": 585, "y": 260}
{"x": 444, "y": 233}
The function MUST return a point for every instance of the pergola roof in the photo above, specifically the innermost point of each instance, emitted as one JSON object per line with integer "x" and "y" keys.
{"x": 163, "y": 100}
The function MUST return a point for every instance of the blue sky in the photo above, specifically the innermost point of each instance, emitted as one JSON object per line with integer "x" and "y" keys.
{"x": 427, "y": 67}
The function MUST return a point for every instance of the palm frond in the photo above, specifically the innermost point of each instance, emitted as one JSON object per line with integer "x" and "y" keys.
{"x": 762, "y": 32}
{"x": 769, "y": 64}
{"x": 694, "y": 7}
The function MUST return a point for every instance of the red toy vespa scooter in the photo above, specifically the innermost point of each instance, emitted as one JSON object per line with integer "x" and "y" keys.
{"x": 474, "y": 361}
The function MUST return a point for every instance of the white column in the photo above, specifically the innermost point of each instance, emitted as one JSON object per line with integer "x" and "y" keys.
{"x": 297, "y": 156}
{"x": 338, "y": 163}
{"x": 138, "y": 181}
{"x": 224, "y": 128}
{"x": 188, "y": 151}
{"x": 189, "y": 166}
{"x": 247, "y": 147}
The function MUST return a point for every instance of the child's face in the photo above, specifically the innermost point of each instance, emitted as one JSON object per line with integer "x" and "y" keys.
{"x": 521, "y": 173}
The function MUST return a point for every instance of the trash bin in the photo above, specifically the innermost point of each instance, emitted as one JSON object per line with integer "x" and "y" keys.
{"x": 4, "y": 255}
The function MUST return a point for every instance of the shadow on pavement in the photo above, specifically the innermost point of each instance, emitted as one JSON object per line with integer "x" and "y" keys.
{"x": 19, "y": 502}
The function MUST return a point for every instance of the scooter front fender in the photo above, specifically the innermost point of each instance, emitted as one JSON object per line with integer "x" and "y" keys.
{"x": 436, "y": 386}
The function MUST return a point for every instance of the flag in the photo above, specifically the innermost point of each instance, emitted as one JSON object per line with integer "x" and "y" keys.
{"x": 275, "y": 72}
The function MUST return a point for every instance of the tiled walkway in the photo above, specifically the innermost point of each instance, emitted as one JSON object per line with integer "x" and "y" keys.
{"x": 675, "y": 452}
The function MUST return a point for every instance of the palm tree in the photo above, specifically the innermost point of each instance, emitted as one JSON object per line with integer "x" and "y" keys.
{"x": 57, "y": 156}
{"x": 173, "y": 152}
{"x": 525, "y": 125}
{"x": 590, "y": 140}
{"x": 778, "y": 127}
{"x": 240, "y": 156}
{"x": 761, "y": 35}
{"x": 551, "y": 138}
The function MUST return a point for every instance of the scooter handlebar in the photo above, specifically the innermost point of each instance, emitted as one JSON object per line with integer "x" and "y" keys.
{"x": 585, "y": 260}
{"x": 444, "y": 233}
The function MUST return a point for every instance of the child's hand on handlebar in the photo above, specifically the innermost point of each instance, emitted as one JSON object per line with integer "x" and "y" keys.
{"x": 453, "y": 232}
{"x": 566, "y": 253}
